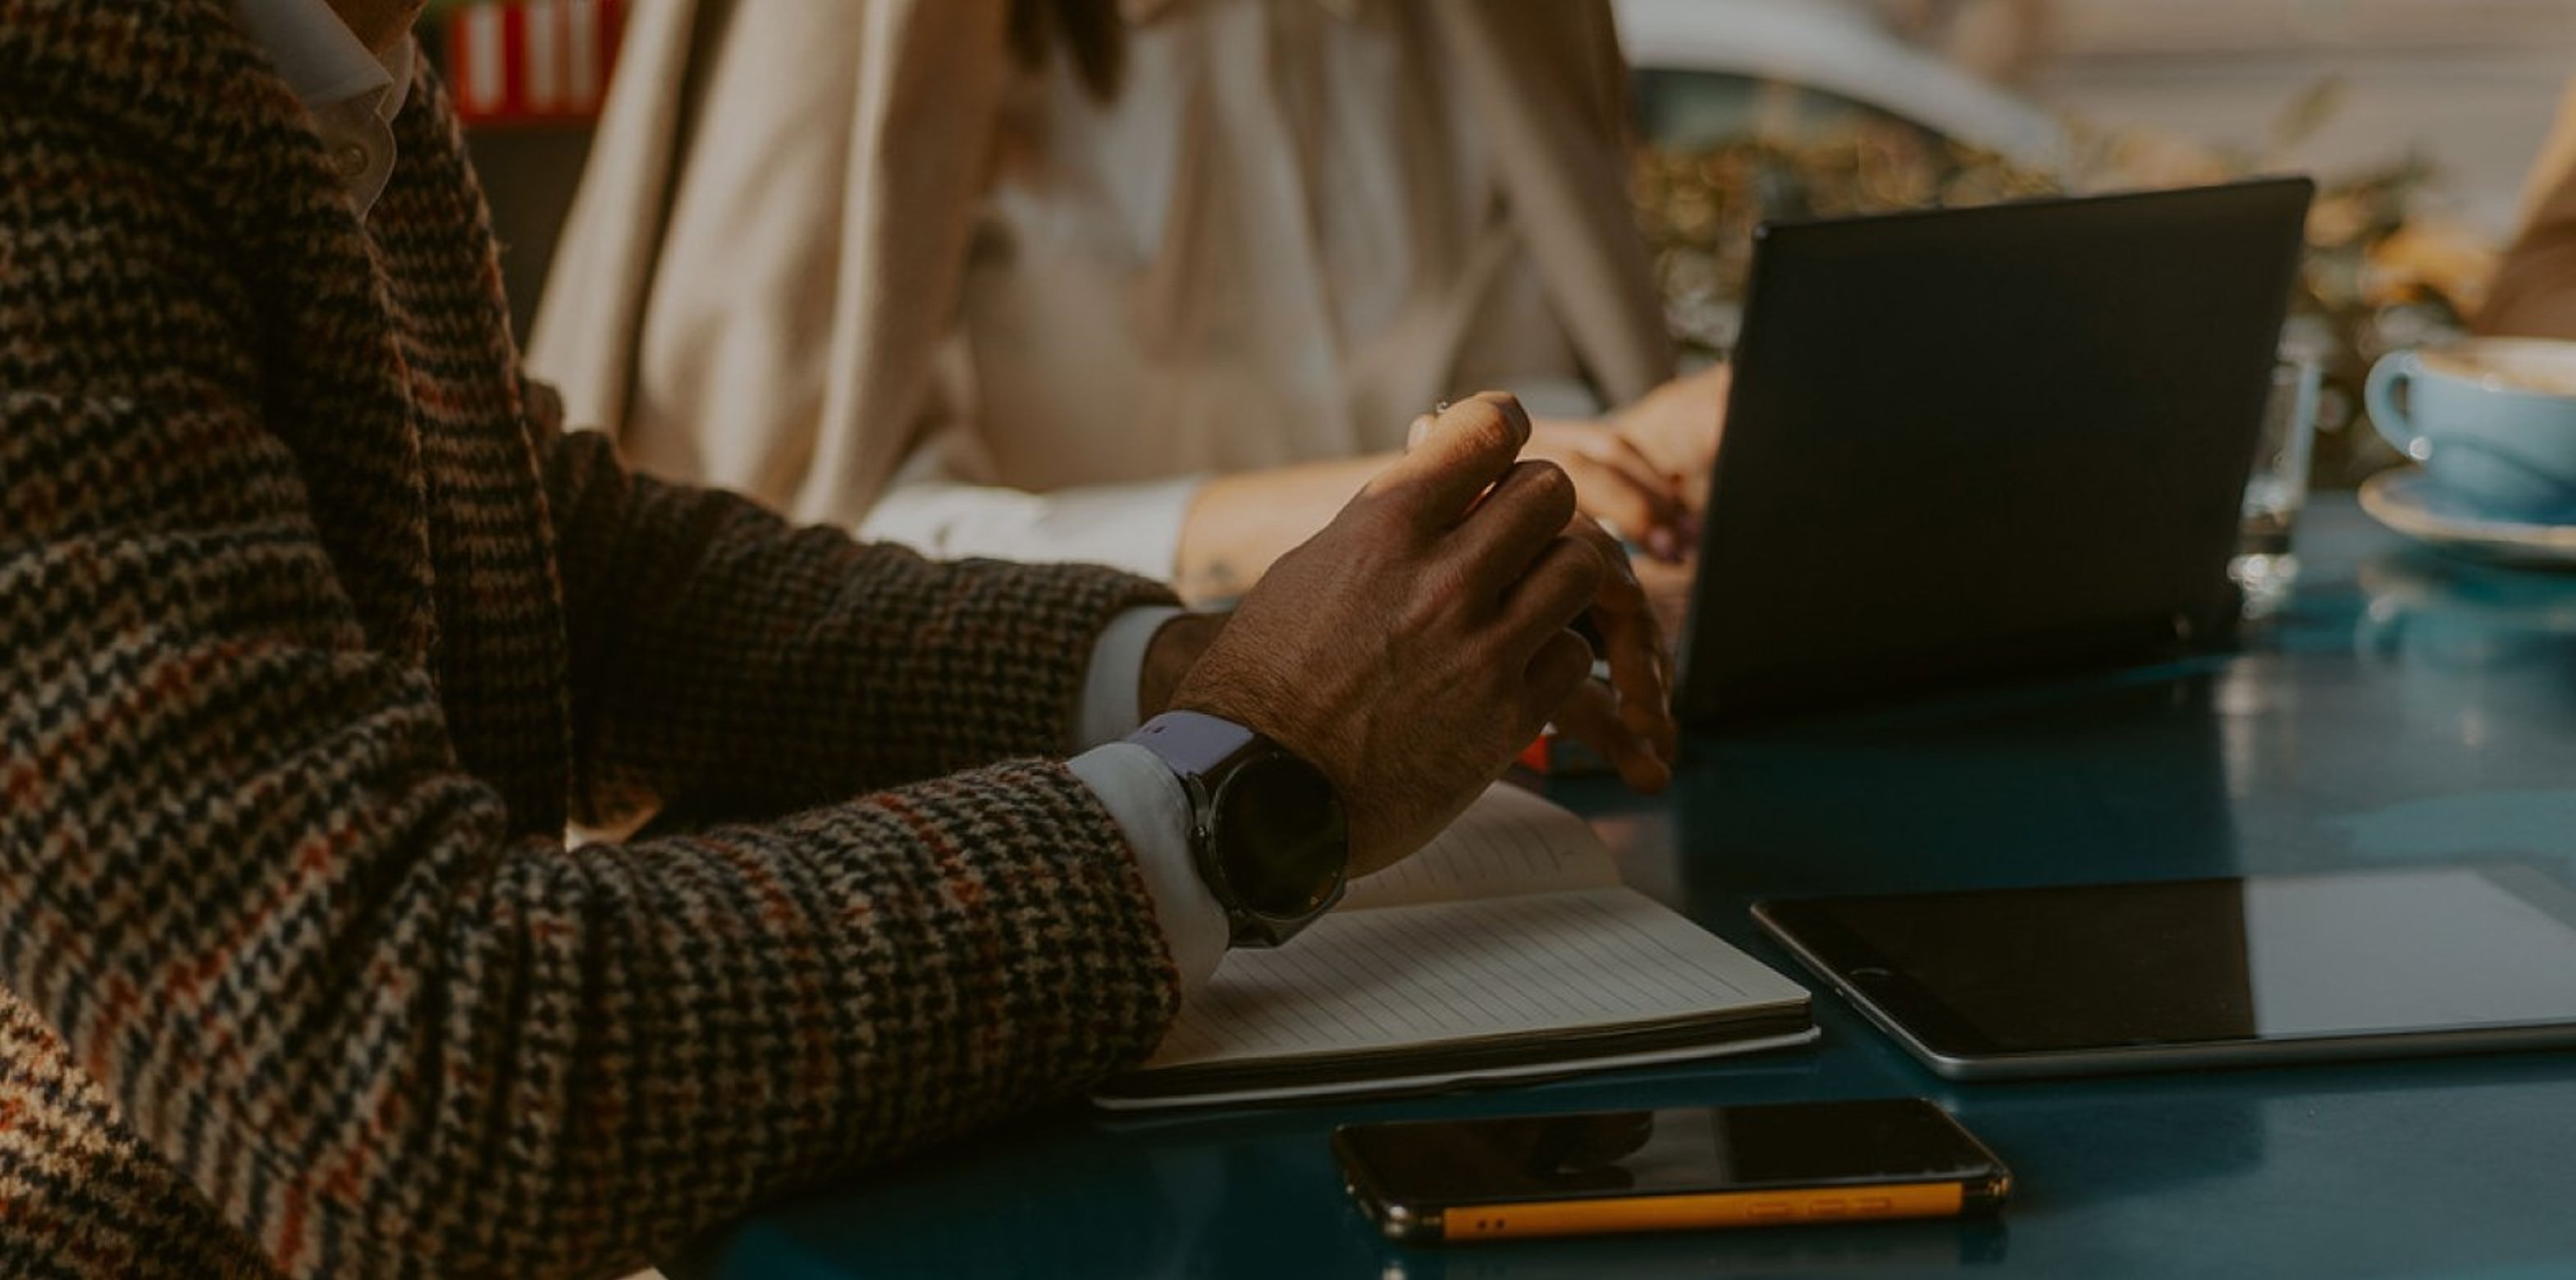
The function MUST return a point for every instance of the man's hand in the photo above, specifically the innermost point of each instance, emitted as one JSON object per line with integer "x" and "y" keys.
{"x": 1628, "y": 720}
{"x": 1419, "y": 641}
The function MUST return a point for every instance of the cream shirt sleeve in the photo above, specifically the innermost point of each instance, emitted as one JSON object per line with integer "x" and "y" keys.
{"x": 936, "y": 506}
{"x": 1143, "y": 797}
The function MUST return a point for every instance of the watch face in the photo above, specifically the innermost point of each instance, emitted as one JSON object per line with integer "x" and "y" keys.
{"x": 1280, "y": 837}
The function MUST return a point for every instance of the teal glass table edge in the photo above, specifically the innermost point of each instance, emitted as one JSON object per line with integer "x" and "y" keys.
{"x": 2405, "y": 708}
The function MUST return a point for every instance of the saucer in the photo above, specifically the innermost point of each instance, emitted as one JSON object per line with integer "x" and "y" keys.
{"x": 2405, "y": 500}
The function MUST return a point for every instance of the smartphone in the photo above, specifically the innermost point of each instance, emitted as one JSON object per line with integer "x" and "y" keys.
{"x": 1447, "y": 1181}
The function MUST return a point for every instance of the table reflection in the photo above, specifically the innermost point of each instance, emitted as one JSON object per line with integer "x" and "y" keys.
{"x": 2480, "y": 650}
{"x": 2406, "y": 709}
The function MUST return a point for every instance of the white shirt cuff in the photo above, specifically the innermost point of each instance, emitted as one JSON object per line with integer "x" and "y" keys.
{"x": 1153, "y": 812}
{"x": 1109, "y": 691}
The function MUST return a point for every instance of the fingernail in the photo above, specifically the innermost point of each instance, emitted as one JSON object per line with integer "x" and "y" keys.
{"x": 1660, "y": 540}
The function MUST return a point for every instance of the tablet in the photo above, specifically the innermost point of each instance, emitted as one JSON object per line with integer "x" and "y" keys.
{"x": 2086, "y": 979}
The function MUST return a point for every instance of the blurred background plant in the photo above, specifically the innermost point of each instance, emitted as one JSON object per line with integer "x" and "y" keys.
{"x": 2386, "y": 266}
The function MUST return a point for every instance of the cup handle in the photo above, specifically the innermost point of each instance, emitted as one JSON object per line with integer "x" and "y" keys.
{"x": 2379, "y": 394}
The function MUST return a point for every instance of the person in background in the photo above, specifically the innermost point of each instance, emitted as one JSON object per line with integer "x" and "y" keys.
{"x": 1153, "y": 284}
{"x": 2534, "y": 290}
{"x": 320, "y": 627}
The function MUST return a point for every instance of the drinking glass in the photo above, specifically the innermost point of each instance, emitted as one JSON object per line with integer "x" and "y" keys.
{"x": 2265, "y": 565}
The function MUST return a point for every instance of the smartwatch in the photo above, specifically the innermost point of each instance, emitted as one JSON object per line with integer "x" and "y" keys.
{"x": 1267, "y": 830}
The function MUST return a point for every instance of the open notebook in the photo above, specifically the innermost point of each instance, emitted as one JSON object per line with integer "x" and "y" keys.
{"x": 1506, "y": 948}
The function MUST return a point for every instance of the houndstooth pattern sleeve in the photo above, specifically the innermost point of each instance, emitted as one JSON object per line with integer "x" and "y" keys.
{"x": 296, "y": 973}
{"x": 724, "y": 661}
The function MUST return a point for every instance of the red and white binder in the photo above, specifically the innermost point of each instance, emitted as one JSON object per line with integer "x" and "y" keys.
{"x": 532, "y": 61}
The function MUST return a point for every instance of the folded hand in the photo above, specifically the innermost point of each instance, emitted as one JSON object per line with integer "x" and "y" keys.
{"x": 1416, "y": 644}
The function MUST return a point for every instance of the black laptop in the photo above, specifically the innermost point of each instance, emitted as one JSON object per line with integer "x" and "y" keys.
{"x": 1984, "y": 444}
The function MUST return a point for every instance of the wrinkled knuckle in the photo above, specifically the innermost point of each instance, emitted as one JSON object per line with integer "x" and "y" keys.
{"x": 1549, "y": 598}
{"x": 1419, "y": 613}
{"x": 1586, "y": 561}
{"x": 1544, "y": 479}
{"x": 1488, "y": 430}
{"x": 1565, "y": 662}
{"x": 1549, "y": 488}
{"x": 1377, "y": 527}
{"x": 1436, "y": 598}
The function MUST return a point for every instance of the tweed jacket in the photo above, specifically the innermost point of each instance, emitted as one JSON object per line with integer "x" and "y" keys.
{"x": 315, "y": 628}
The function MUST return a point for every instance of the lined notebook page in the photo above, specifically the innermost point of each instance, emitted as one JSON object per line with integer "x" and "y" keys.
{"x": 1508, "y": 842}
{"x": 1516, "y": 966}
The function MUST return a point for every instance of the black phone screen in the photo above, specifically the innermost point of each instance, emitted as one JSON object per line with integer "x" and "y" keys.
{"x": 1674, "y": 1151}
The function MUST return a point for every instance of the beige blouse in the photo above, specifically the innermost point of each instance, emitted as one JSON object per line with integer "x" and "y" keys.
{"x": 845, "y": 256}
{"x": 1277, "y": 245}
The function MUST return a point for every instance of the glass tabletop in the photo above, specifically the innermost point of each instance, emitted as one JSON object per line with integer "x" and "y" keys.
{"x": 2406, "y": 709}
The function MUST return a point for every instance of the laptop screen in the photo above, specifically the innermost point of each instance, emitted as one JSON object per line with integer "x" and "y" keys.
{"x": 1975, "y": 444}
